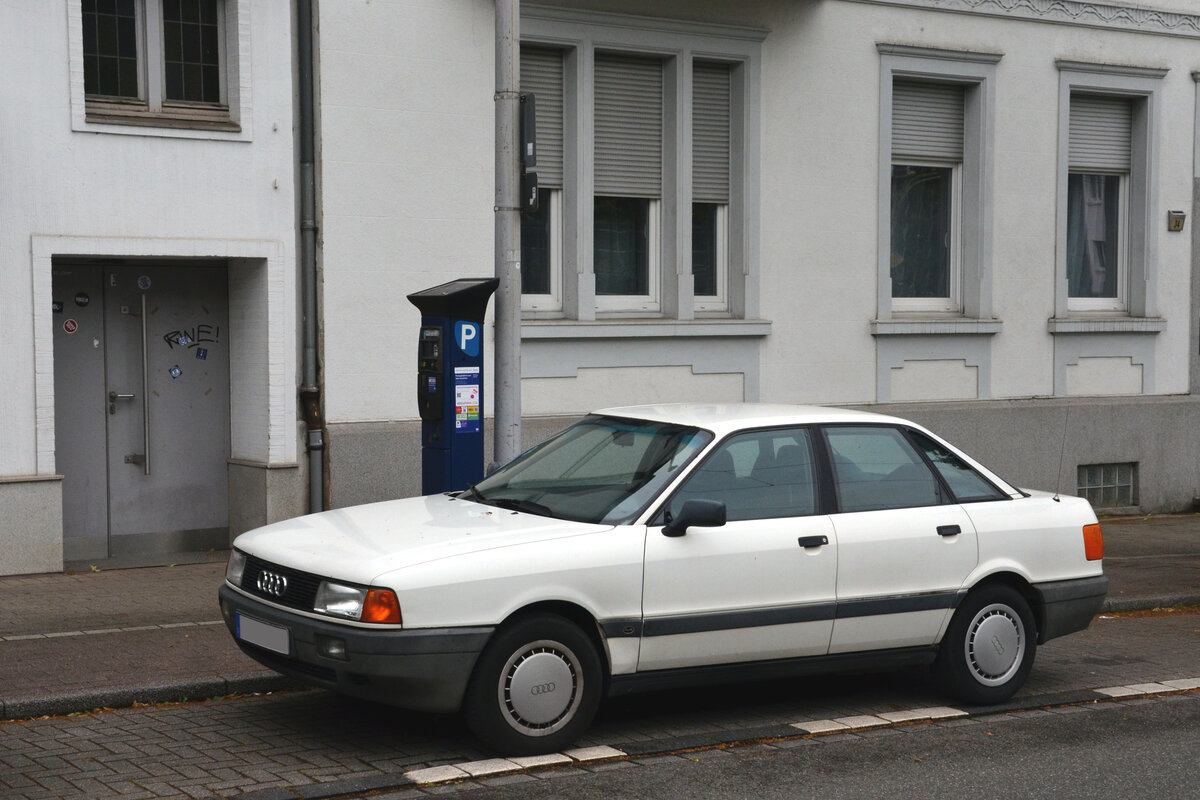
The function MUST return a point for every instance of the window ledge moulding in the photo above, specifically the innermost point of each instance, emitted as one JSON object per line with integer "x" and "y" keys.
{"x": 909, "y": 51}
{"x": 1058, "y": 325}
{"x": 641, "y": 24}
{"x": 644, "y": 329}
{"x": 957, "y": 326}
{"x": 1108, "y": 16}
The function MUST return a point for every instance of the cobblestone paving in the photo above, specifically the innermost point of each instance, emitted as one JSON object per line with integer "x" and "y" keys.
{"x": 309, "y": 741}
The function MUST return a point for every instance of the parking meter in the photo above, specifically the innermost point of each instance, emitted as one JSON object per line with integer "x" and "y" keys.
{"x": 450, "y": 382}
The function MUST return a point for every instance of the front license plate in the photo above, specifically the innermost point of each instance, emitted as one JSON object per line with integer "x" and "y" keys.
{"x": 271, "y": 637}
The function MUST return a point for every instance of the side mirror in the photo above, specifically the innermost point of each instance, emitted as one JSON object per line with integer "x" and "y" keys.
{"x": 696, "y": 514}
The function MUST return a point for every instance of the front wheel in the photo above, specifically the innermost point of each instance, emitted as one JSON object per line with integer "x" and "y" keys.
{"x": 536, "y": 687}
{"x": 988, "y": 650}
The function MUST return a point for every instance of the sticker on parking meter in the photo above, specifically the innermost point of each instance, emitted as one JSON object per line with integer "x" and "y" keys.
{"x": 466, "y": 335}
{"x": 466, "y": 400}
{"x": 175, "y": 371}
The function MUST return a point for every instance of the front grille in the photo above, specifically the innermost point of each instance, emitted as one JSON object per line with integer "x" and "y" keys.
{"x": 301, "y": 591}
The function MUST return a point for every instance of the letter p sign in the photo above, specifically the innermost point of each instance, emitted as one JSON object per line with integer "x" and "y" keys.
{"x": 466, "y": 334}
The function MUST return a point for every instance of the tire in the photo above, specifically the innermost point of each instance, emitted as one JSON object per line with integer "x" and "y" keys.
{"x": 988, "y": 650}
{"x": 536, "y": 687}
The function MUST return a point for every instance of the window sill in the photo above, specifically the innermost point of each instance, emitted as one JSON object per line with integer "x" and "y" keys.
{"x": 936, "y": 326}
{"x": 1106, "y": 324}
{"x": 644, "y": 328}
{"x": 185, "y": 117}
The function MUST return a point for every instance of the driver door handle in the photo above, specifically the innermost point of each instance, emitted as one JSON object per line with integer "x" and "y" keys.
{"x": 813, "y": 541}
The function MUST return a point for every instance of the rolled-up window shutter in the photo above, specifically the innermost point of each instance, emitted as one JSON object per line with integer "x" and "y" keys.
{"x": 542, "y": 76}
{"x": 628, "y": 126}
{"x": 1101, "y": 130}
{"x": 927, "y": 120}
{"x": 710, "y": 132}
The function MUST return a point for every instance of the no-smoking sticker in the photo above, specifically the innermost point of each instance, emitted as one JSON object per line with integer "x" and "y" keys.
{"x": 70, "y": 326}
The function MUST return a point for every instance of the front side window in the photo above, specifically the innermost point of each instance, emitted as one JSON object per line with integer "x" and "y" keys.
{"x": 877, "y": 468}
{"x": 927, "y": 155}
{"x": 146, "y": 60}
{"x": 759, "y": 475}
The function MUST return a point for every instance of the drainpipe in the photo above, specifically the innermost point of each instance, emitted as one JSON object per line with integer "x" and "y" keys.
{"x": 507, "y": 365}
{"x": 310, "y": 392}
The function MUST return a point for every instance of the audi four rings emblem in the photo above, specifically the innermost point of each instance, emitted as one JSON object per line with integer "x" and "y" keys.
{"x": 272, "y": 583}
{"x": 542, "y": 688}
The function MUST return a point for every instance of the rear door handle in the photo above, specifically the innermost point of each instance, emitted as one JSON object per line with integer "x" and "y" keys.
{"x": 949, "y": 530}
{"x": 813, "y": 541}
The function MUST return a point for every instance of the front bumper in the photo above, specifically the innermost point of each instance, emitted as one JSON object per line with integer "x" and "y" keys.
{"x": 1068, "y": 606}
{"x": 424, "y": 669}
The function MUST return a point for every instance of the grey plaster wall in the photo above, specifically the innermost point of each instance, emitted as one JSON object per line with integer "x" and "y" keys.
{"x": 31, "y": 525}
{"x": 1025, "y": 441}
{"x": 1036, "y": 443}
{"x": 372, "y": 461}
{"x": 260, "y": 495}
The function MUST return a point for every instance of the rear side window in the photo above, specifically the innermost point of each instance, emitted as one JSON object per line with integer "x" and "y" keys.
{"x": 875, "y": 468}
{"x": 967, "y": 485}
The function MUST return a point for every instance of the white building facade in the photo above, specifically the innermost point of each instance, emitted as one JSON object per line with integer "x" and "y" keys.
{"x": 149, "y": 300}
{"x": 974, "y": 213}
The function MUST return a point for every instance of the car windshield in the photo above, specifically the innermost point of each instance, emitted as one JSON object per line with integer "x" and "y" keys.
{"x": 601, "y": 469}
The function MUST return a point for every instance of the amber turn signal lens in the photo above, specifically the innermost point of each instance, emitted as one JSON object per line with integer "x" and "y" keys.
{"x": 381, "y": 606}
{"x": 1093, "y": 542}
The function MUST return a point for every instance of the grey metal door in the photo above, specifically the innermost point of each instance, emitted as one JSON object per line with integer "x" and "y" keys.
{"x": 164, "y": 402}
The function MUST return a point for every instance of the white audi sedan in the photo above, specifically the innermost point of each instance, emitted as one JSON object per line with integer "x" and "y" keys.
{"x": 672, "y": 545}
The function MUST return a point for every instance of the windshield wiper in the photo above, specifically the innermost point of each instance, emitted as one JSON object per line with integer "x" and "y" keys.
{"x": 470, "y": 493}
{"x": 527, "y": 506}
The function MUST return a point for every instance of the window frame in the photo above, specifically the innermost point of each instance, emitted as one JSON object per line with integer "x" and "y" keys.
{"x": 580, "y": 34}
{"x": 151, "y": 113}
{"x": 1142, "y": 86}
{"x": 952, "y": 303}
{"x": 551, "y": 302}
{"x": 718, "y": 302}
{"x": 1120, "y": 303}
{"x": 976, "y": 73}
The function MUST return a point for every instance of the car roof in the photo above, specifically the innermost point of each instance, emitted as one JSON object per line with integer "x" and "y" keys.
{"x": 725, "y": 417}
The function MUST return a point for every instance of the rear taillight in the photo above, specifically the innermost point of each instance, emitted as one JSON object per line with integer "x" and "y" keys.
{"x": 1093, "y": 542}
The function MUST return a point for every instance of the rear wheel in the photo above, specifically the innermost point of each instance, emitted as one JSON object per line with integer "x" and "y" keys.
{"x": 536, "y": 687}
{"x": 988, "y": 649}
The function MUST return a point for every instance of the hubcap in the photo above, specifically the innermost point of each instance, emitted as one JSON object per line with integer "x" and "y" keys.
{"x": 539, "y": 688}
{"x": 995, "y": 644}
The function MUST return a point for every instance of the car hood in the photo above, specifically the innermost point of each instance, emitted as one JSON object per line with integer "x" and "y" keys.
{"x": 360, "y": 543}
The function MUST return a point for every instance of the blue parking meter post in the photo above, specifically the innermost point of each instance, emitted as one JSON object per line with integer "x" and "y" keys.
{"x": 450, "y": 382}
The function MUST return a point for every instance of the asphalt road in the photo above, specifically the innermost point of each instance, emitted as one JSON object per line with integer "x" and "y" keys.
{"x": 1133, "y": 749}
{"x": 313, "y": 744}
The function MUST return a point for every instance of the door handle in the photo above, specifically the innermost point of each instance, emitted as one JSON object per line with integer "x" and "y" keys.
{"x": 949, "y": 530}
{"x": 113, "y": 397}
{"x": 813, "y": 541}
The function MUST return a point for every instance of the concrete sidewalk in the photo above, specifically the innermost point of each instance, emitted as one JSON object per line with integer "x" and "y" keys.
{"x": 75, "y": 642}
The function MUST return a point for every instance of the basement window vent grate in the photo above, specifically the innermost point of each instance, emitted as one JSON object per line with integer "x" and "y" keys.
{"x": 1109, "y": 485}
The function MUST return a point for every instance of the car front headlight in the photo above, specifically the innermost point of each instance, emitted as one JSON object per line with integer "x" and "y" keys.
{"x": 356, "y": 603}
{"x": 235, "y": 567}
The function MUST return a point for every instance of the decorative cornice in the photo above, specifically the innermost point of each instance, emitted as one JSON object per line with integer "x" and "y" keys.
{"x": 1094, "y": 15}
